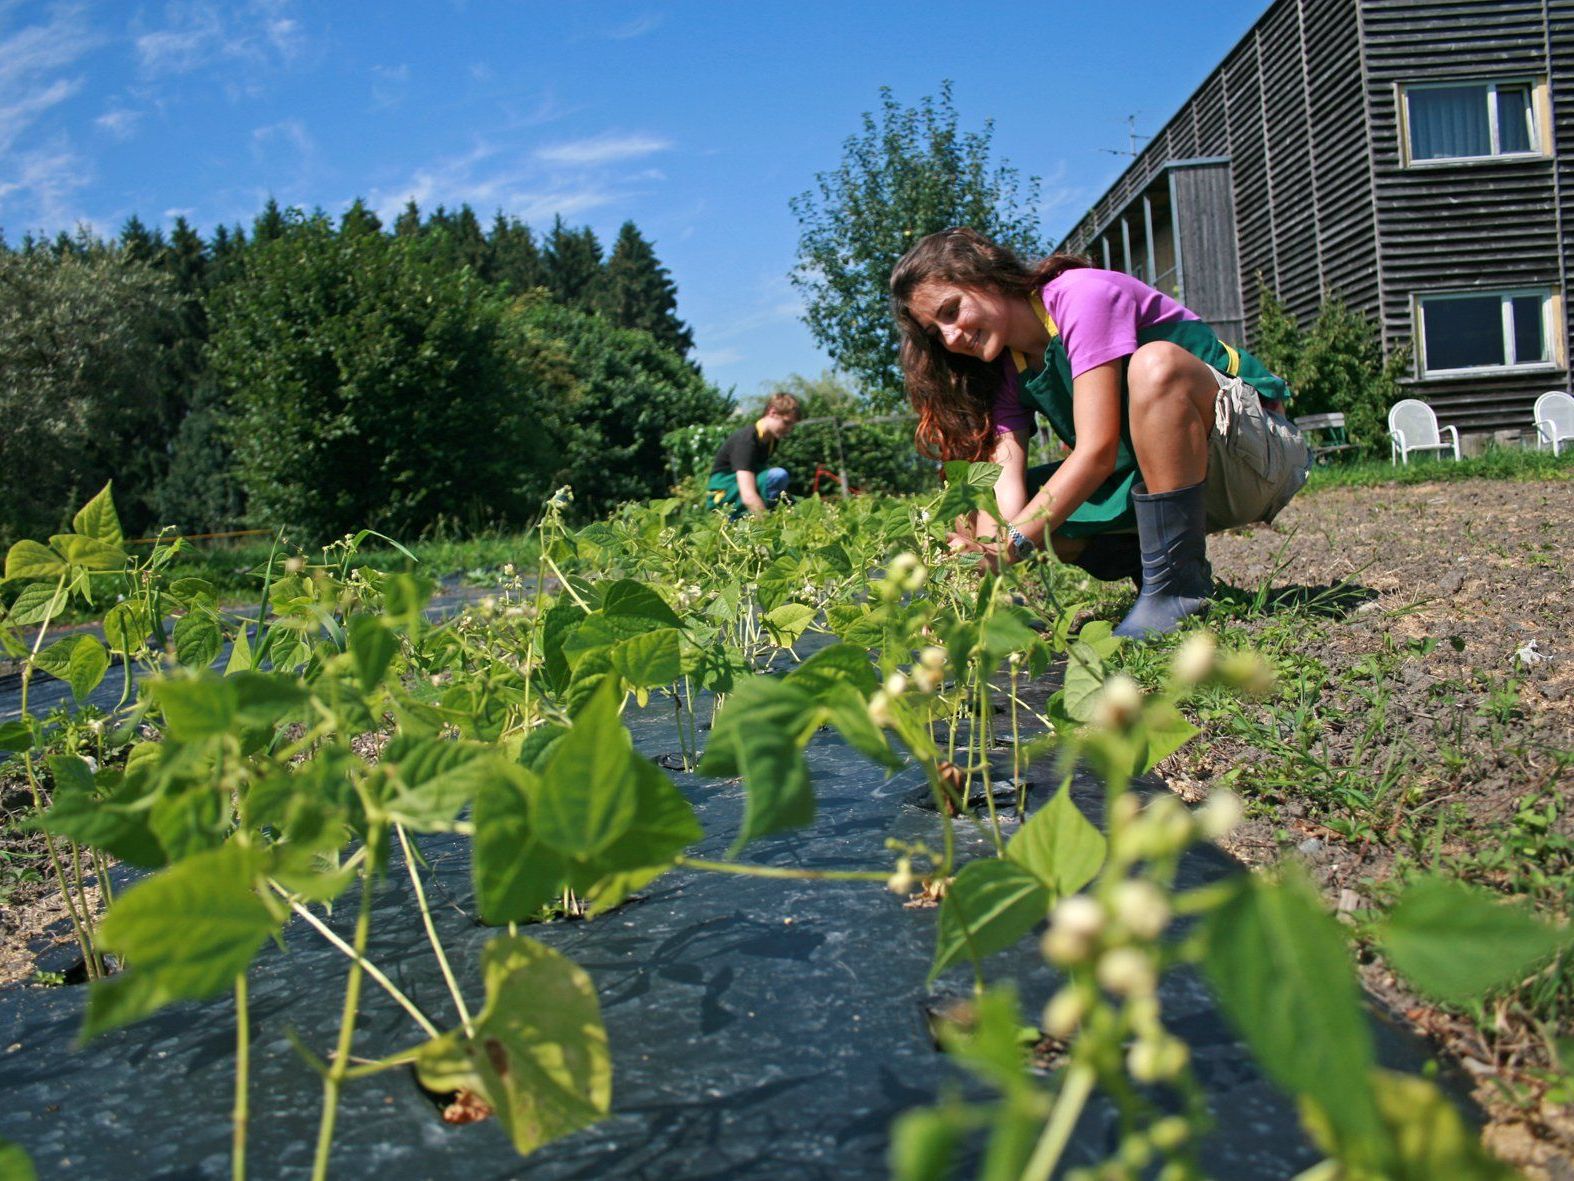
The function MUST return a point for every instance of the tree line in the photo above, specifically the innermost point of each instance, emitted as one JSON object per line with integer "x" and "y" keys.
{"x": 326, "y": 373}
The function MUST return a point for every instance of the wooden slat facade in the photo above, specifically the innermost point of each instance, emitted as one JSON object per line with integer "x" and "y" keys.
{"x": 1303, "y": 119}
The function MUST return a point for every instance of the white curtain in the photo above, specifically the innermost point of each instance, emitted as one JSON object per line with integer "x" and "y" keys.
{"x": 1448, "y": 121}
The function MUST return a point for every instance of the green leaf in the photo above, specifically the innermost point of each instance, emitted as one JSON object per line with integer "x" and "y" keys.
{"x": 118, "y": 823}
{"x": 372, "y": 647}
{"x": 967, "y": 489}
{"x": 126, "y": 626}
{"x": 194, "y": 707}
{"x": 1456, "y": 943}
{"x": 651, "y": 660}
{"x": 988, "y": 907}
{"x": 588, "y": 795}
{"x": 32, "y": 560}
{"x": 88, "y": 552}
{"x": 760, "y": 734}
{"x": 15, "y": 1164}
{"x": 1059, "y": 846}
{"x": 263, "y": 699}
{"x": 630, "y": 600}
{"x": 1428, "y": 1138}
{"x": 1084, "y": 679}
{"x": 36, "y": 603}
{"x": 16, "y": 736}
{"x": 539, "y": 1055}
{"x": 89, "y": 662}
{"x": 98, "y": 519}
{"x": 241, "y": 657}
{"x": 1281, "y": 969}
{"x": 434, "y": 778}
{"x": 515, "y": 874}
{"x": 924, "y": 1142}
{"x": 198, "y": 639}
{"x": 788, "y": 622}
{"x": 560, "y": 621}
{"x": 835, "y": 665}
{"x": 187, "y": 931}
{"x": 1164, "y": 731}
{"x": 663, "y": 826}
{"x": 1006, "y": 632}
{"x": 845, "y": 708}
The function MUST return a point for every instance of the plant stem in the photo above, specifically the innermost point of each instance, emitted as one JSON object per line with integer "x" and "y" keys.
{"x": 776, "y": 871}
{"x": 1062, "y": 1119}
{"x": 352, "y": 998}
{"x": 370, "y": 968}
{"x": 431, "y": 934}
{"x": 240, "y": 1114}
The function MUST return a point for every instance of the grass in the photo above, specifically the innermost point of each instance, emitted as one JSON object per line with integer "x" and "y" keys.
{"x": 1496, "y": 463}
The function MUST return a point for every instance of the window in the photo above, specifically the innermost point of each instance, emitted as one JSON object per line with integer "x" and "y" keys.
{"x": 1485, "y": 330}
{"x": 1472, "y": 120}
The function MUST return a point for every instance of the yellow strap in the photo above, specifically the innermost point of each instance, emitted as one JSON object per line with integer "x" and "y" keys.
{"x": 1235, "y": 361}
{"x": 1043, "y": 315}
{"x": 1019, "y": 360}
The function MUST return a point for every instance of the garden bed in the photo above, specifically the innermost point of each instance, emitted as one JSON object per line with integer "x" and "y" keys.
{"x": 1427, "y": 720}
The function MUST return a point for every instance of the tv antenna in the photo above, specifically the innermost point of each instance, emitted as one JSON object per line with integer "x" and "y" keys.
{"x": 1131, "y": 131}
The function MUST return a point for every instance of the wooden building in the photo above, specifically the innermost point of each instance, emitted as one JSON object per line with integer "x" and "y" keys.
{"x": 1414, "y": 157}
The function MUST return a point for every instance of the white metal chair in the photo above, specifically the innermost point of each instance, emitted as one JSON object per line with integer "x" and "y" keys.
{"x": 1554, "y": 414}
{"x": 1412, "y": 426}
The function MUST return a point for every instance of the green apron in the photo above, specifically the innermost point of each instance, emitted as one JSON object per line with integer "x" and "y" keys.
{"x": 1109, "y": 509}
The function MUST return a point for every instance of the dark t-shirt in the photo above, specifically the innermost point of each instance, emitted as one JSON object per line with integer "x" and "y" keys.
{"x": 744, "y": 451}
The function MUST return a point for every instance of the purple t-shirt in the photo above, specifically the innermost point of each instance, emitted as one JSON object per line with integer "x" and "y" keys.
{"x": 1099, "y": 314}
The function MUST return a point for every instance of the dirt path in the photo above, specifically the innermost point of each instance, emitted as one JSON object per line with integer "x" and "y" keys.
{"x": 1428, "y": 722}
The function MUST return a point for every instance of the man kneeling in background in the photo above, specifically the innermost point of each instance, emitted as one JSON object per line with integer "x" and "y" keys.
{"x": 740, "y": 479}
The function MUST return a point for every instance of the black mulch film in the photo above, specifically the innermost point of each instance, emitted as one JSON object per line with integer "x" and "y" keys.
{"x": 759, "y": 1028}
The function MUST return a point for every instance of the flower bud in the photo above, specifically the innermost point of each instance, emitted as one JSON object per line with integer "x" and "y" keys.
{"x": 1119, "y": 703}
{"x": 1141, "y": 908}
{"x": 1126, "y": 971}
{"x": 1194, "y": 658}
{"x": 902, "y": 567}
{"x": 294, "y": 565}
{"x": 934, "y": 657}
{"x": 880, "y": 709}
{"x": 1074, "y": 928}
{"x": 902, "y": 881}
{"x": 1219, "y": 814}
{"x": 927, "y": 680}
{"x": 1247, "y": 671}
{"x": 1064, "y": 1013}
{"x": 895, "y": 685}
{"x": 1169, "y": 1133}
{"x": 1154, "y": 1060}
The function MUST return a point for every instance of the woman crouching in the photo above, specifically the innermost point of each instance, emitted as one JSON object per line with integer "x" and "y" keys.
{"x": 1173, "y": 434}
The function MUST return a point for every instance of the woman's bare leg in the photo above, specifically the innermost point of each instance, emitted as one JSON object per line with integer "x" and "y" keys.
{"x": 1170, "y": 407}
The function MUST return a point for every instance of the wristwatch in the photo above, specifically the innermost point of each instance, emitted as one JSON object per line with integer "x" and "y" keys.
{"x": 1021, "y": 544}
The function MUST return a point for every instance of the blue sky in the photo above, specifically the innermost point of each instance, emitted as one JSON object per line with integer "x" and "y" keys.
{"x": 698, "y": 119}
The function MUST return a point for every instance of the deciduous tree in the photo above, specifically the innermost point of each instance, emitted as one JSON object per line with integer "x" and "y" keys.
{"x": 910, "y": 172}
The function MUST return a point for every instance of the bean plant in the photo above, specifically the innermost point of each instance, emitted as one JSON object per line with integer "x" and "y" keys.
{"x": 273, "y": 765}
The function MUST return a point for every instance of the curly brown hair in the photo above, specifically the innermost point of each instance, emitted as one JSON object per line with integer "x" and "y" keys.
{"x": 954, "y": 394}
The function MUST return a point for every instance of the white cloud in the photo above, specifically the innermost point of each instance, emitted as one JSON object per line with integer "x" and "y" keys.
{"x": 608, "y": 148}
{"x": 481, "y": 72}
{"x": 489, "y": 178}
{"x": 388, "y": 86}
{"x": 42, "y": 185}
{"x": 775, "y": 301}
{"x": 32, "y": 65}
{"x": 198, "y": 34}
{"x": 711, "y": 360}
{"x": 290, "y": 132}
{"x": 637, "y": 27}
{"x": 119, "y": 122}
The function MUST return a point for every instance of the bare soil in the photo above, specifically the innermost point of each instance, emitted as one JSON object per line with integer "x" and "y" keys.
{"x": 1449, "y": 659}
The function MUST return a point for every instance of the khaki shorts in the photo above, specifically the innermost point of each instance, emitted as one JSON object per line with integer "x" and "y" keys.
{"x": 1257, "y": 459}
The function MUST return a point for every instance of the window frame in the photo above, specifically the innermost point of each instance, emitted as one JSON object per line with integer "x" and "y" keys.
{"x": 1538, "y": 110}
{"x": 1551, "y": 336}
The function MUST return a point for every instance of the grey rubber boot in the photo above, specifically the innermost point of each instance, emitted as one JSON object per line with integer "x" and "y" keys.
{"x": 1176, "y": 578}
{"x": 1109, "y": 557}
